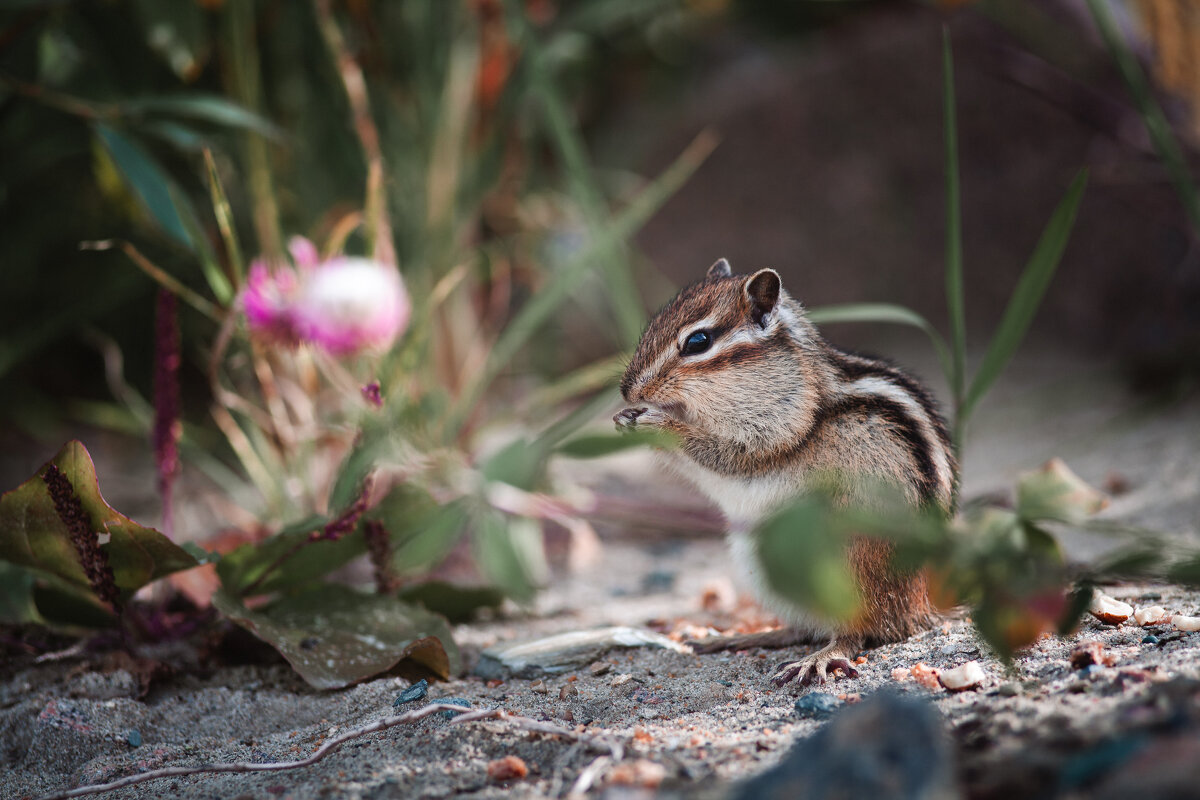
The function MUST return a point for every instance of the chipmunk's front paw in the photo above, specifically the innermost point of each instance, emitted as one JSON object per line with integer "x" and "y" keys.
{"x": 631, "y": 419}
{"x": 816, "y": 668}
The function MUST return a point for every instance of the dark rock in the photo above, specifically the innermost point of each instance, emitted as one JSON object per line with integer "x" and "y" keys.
{"x": 454, "y": 701}
{"x": 658, "y": 582}
{"x": 888, "y": 746}
{"x": 134, "y": 737}
{"x": 1149, "y": 638}
{"x": 817, "y": 705}
{"x": 415, "y": 692}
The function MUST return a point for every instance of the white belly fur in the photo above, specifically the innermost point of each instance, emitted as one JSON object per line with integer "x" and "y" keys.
{"x": 744, "y": 502}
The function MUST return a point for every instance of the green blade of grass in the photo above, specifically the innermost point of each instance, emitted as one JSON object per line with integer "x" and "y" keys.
{"x": 1164, "y": 141}
{"x": 883, "y": 312}
{"x": 534, "y": 314}
{"x": 954, "y": 266}
{"x": 224, "y": 216}
{"x": 1027, "y": 296}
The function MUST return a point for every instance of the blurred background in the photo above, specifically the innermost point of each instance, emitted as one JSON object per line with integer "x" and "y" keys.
{"x": 657, "y": 135}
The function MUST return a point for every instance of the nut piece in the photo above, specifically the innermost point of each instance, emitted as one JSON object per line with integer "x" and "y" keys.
{"x": 1186, "y": 623}
{"x": 1150, "y": 615}
{"x": 969, "y": 676}
{"x": 901, "y": 674}
{"x": 1089, "y": 652}
{"x": 925, "y": 675}
{"x": 509, "y": 768}
{"x": 643, "y": 772}
{"x": 1110, "y": 610}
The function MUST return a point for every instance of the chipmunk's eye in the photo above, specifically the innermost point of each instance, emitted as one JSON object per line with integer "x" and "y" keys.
{"x": 697, "y": 342}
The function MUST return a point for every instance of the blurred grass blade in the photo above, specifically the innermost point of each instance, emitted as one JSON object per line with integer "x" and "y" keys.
{"x": 148, "y": 181}
{"x": 1028, "y": 295}
{"x": 535, "y": 313}
{"x": 883, "y": 312}
{"x": 1161, "y": 135}
{"x": 224, "y": 216}
{"x": 160, "y": 276}
{"x": 205, "y": 107}
{"x": 954, "y": 259}
{"x": 598, "y": 445}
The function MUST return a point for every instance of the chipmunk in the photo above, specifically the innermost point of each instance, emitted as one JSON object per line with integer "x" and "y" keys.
{"x": 761, "y": 405}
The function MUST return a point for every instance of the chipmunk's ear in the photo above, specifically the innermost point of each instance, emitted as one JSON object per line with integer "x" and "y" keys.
{"x": 721, "y": 269}
{"x": 762, "y": 290}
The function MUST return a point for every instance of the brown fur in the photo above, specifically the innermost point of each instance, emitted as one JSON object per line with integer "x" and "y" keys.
{"x": 771, "y": 400}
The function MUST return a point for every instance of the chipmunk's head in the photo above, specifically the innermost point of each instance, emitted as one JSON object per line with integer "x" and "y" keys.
{"x": 726, "y": 356}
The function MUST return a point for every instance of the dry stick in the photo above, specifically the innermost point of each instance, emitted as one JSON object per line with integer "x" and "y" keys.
{"x": 616, "y": 748}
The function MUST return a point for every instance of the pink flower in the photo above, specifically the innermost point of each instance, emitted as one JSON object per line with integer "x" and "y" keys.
{"x": 344, "y": 305}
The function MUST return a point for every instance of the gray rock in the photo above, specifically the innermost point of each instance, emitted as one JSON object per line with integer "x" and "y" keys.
{"x": 889, "y": 747}
{"x": 564, "y": 651}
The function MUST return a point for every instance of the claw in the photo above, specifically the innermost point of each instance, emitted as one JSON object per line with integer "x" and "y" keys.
{"x": 816, "y": 668}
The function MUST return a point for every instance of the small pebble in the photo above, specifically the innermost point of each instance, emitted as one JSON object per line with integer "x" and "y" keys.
{"x": 725, "y": 683}
{"x": 1008, "y": 690}
{"x": 1149, "y": 638}
{"x": 817, "y": 705}
{"x": 415, "y": 692}
{"x": 454, "y": 701}
{"x": 600, "y": 668}
{"x": 134, "y": 738}
{"x": 621, "y": 680}
{"x": 567, "y": 691}
{"x": 539, "y": 687}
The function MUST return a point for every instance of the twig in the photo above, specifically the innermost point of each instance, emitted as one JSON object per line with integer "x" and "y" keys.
{"x": 615, "y": 747}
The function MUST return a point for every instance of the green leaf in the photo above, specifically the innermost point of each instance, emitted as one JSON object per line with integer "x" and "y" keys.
{"x": 147, "y": 179}
{"x": 422, "y": 532}
{"x": 1055, "y": 493}
{"x": 597, "y": 445}
{"x": 804, "y": 563}
{"x": 519, "y": 463}
{"x": 883, "y": 312}
{"x": 292, "y": 559}
{"x": 1023, "y": 304}
{"x": 32, "y": 535}
{"x": 954, "y": 257}
{"x": 206, "y": 107}
{"x": 458, "y": 604}
{"x": 16, "y": 596}
{"x": 509, "y": 552}
{"x": 334, "y": 636}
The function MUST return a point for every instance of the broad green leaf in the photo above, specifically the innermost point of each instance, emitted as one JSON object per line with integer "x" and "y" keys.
{"x": 458, "y": 604}
{"x": 147, "y": 179}
{"x": 206, "y": 107}
{"x": 954, "y": 256}
{"x": 32, "y": 535}
{"x": 520, "y": 463}
{"x": 288, "y": 559}
{"x": 16, "y": 595}
{"x": 1055, "y": 493}
{"x": 597, "y": 445}
{"x": 1028, "y": 295}
{"x": 422, "y": 532}
{"x": 805, "y": 563}
{"x": 509, "y": 552}
{"x": 883, "y": 312}
{"x": 334, "y": 636}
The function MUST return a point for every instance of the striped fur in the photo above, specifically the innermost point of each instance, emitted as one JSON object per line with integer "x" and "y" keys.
{"x": 769, "y": 405}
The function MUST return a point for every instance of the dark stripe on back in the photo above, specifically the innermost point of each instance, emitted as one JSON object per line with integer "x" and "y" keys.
{"x": 854, "y": 367}
{"x": 908, "y": 428}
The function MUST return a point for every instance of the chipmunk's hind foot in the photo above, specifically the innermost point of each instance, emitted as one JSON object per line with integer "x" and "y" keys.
{"x": 817, "y": 668}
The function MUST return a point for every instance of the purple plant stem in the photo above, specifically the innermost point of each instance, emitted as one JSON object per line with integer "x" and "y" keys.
{"x": 167, "y": 426}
